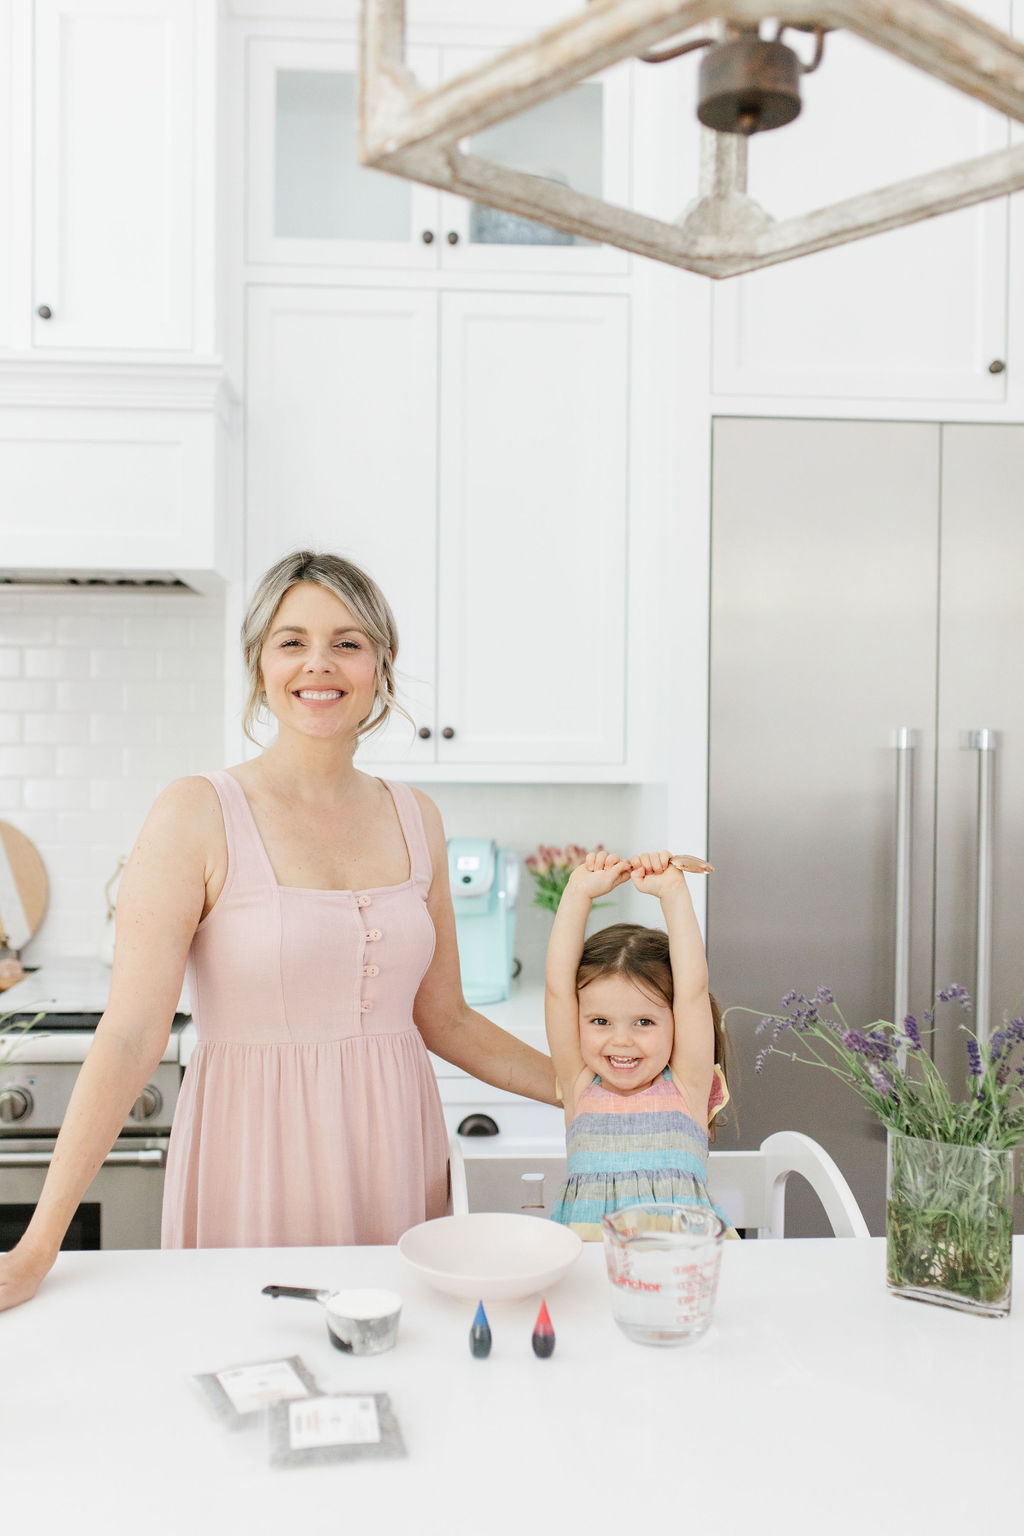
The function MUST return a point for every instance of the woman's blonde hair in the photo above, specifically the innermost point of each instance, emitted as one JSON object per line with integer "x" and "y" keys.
{"x": 361, "y": 596}
{"x": 642, "y": 956}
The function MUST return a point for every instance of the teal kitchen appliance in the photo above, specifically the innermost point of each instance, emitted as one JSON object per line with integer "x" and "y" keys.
{"x": 485, "y": 882}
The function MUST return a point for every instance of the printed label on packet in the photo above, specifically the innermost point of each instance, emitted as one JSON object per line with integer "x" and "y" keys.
{"x": 333, "y": 1421}
{"x": 253, "y": 1386}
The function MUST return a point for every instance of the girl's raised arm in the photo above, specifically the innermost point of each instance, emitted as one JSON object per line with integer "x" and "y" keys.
{"x": 692, "y": 1062}
{"x": 600, "y": 873}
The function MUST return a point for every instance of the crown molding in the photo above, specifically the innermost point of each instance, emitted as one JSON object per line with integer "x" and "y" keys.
{"x": 74, "y": 383}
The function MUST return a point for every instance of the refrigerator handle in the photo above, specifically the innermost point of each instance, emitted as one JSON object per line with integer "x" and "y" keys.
{"x": 984, "y": 743}
{"x": 905, "y": 743}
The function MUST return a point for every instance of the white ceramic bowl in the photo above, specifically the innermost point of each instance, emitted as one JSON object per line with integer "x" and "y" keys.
{"x": 489, "y": 1255}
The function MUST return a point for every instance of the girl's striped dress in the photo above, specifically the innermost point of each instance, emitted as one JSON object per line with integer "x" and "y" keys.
{"x": 635, "y": 1149}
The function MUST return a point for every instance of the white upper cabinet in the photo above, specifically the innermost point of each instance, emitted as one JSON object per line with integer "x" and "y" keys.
{"x": 114, "y": 157}
{"x": 491, "y": 508}
{"x": 310, "y": 202}
{"x": 916, "y": 314}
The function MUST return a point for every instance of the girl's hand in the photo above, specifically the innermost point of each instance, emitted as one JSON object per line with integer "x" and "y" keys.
{"x": 656, "y": 873}
{"x": 599, "y": 873}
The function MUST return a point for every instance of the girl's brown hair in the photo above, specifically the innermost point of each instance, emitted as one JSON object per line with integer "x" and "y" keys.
{"x": 642, "y": 955}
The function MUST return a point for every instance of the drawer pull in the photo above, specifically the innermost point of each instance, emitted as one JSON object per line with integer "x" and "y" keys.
{"x": 478, "y": 1125}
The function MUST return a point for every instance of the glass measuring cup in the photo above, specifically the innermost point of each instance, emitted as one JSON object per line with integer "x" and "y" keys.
{"x": 663, "y": 1263}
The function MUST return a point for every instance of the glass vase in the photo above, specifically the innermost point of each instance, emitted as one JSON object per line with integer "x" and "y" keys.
{"x": 949, "y": 1224}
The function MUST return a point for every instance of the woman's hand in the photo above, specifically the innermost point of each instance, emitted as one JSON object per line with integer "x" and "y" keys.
{"x": 21, "y": 1275}
{"x": 599, "y": 873}
{"x": 656, "y": 873}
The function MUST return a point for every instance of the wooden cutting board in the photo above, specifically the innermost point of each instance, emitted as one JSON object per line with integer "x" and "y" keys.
{"x": 24, "y": 889}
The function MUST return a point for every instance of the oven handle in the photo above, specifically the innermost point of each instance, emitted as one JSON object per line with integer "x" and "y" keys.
{"x": 146, "y": 1157}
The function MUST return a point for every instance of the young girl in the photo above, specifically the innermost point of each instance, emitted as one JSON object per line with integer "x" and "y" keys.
{"x": 635, "y": 1039}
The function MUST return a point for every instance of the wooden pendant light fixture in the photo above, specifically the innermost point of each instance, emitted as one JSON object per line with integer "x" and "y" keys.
{"x": 749, "y": 84}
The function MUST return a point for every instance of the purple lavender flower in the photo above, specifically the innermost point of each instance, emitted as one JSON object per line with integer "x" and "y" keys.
{"x": 956, "y": 994}
{"x": 824, "y": 996}
{"x": 912, "y": 1032}
{"x": 763, "y": 1024}
{"x": 881, "y": 1080}
{"x": 974, "y": 1066}
{"x": 762, "y": 1057}
{"x": 789, "y": 999}
{"x": 803, "y": 1014}
{"x": 928, "y": 1017}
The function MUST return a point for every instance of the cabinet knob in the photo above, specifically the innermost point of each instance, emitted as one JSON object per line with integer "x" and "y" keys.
{"x": 448, "y": 732}
{"x": 997, "y": 365}
{"x": 427, "y": 237}
{"x": 425, "y": 733}
{"x": 453, "y": 237}
{"x": 44, "y": 312}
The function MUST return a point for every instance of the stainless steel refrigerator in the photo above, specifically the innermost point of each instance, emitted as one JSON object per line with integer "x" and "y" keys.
{"x": 866, "y": 815}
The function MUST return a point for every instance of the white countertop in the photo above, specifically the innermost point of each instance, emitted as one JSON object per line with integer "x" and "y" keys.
{"x": 74, "y": 985}
{"x": 817, "y": 1402}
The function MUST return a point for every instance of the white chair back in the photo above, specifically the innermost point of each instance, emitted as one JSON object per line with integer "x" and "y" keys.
{"x": 749, "y": 1186}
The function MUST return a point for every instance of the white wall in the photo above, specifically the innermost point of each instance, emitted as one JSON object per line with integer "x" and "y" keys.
{"x": 624, "y": 817}
{"x": 104, "y": 699}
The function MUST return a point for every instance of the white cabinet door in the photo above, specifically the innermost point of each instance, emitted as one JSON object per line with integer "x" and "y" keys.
{"x": 341, "y": 456}
{"x": 531, "y": 622}
{"x": 310, "y": 202}
{"x": 114, "y": 186}
{"x": 918, "y": 313}
{"x": 8, "y": 222}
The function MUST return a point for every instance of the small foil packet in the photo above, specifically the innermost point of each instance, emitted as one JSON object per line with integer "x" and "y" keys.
{"x": 336, "y": 1426}
{"x": 239, "y": 1393}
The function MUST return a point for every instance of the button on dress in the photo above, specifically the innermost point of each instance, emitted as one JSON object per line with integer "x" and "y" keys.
{"x": 309, "y": 1113}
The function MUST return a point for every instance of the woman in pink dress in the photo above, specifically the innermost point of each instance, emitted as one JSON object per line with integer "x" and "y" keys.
{"x": 310, "y": 905}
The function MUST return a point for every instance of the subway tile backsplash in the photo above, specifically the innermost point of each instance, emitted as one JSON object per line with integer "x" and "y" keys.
{"x": 105, "y": 697}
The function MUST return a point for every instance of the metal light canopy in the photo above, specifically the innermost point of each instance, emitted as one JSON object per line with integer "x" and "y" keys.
{"x": 416, "y": 133}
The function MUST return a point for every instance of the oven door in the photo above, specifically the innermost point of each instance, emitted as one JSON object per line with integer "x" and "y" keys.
{"x": 122, "y": 1205}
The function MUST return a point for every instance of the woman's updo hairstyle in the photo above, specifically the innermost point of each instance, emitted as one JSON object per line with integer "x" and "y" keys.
{"x": 361, "y": 596}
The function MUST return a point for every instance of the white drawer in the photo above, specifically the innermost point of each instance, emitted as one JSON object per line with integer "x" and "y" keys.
{"x": 522, "y": 1120}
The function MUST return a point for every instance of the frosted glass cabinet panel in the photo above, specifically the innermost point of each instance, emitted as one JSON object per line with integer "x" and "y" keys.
{"x": 578, "y": 139}
{"x": 310, "y": 202}
{"x": 321, "y": 192}
{"x": 562, "y": 140}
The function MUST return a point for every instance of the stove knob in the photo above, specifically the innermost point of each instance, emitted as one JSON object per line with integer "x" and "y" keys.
{"x": 15, "y": 1104}
{"x": 149, "y": 1103}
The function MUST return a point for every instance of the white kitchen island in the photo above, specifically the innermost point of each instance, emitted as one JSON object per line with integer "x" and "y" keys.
{"x": 816, "y": 1403}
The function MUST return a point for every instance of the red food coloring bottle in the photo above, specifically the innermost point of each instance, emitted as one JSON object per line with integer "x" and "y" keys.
{"x": 543, "y": 1339}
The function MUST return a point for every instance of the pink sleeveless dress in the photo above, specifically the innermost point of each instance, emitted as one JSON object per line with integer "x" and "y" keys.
{"x": 309, "y": 1113}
